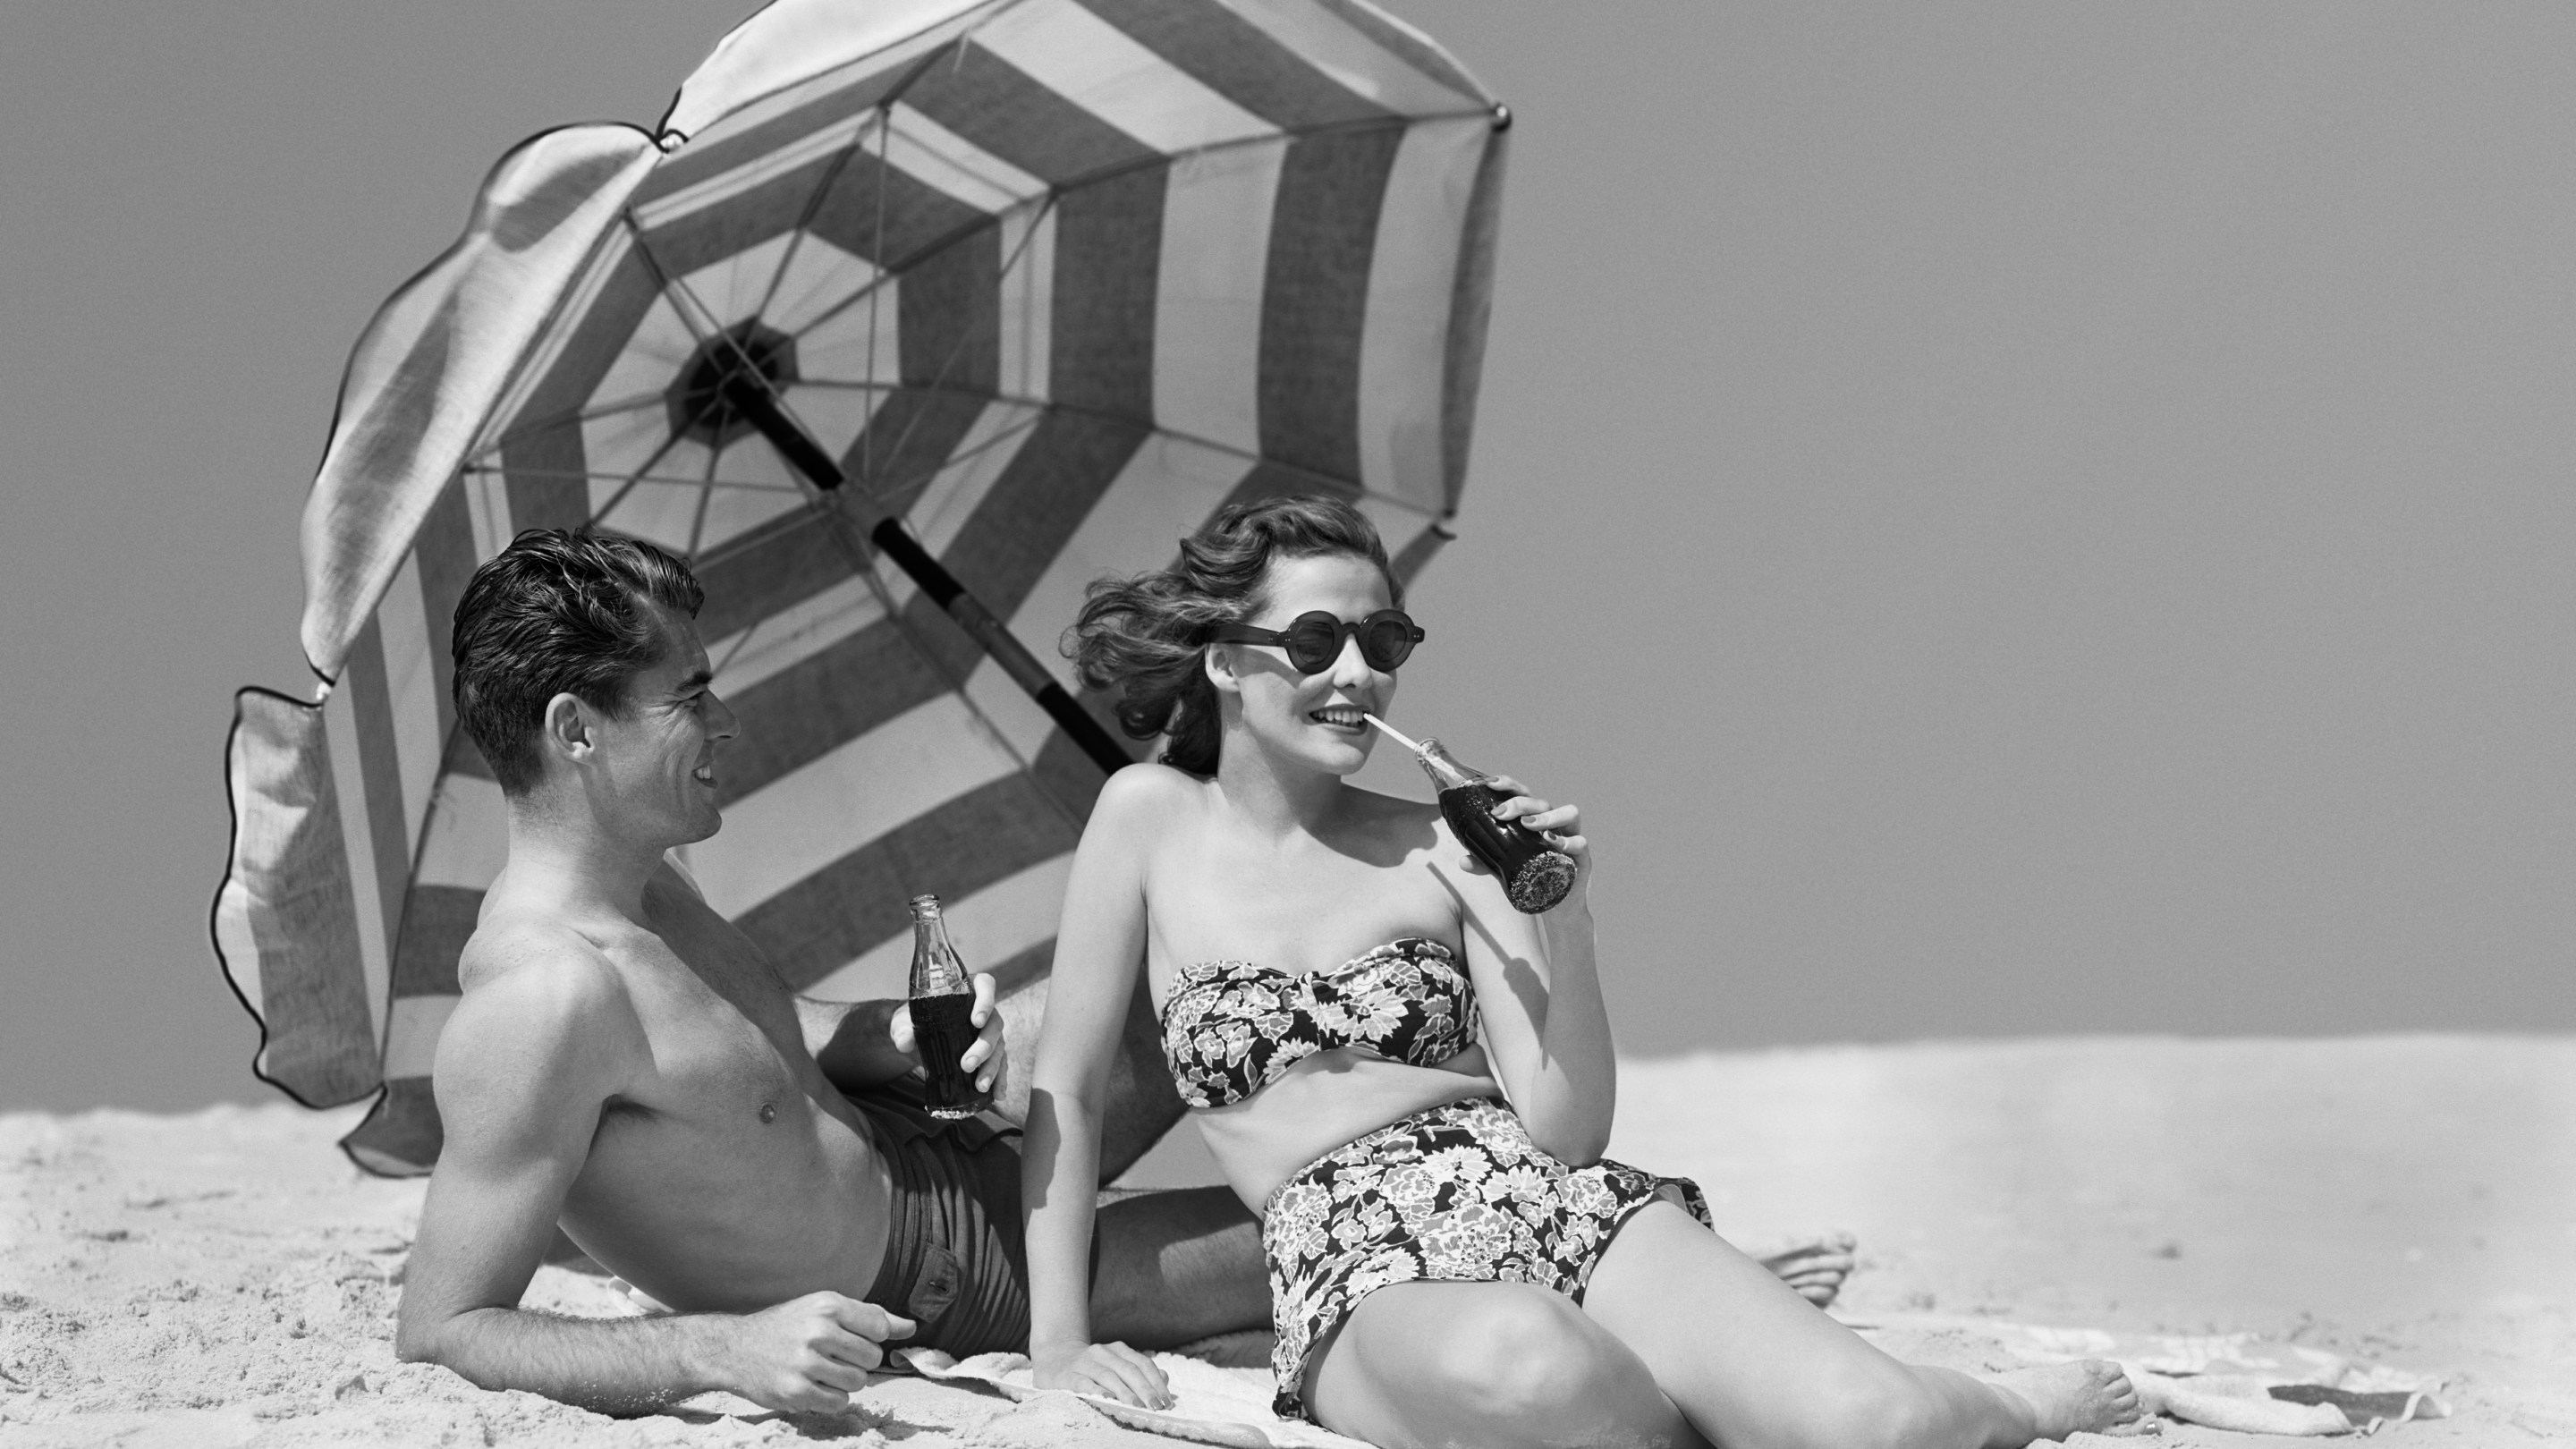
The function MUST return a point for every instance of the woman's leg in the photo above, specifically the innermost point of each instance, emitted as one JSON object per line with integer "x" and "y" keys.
{"x": 1499, "y": 1365}
{"x": 1753, "y": 1366}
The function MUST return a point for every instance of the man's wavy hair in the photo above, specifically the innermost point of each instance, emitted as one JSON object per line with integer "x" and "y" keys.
{"x": 1142, "y": 638}
{"x": 557, "y": 613}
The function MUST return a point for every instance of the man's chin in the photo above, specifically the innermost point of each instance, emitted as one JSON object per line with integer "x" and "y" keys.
{"x": 696, "y": 821}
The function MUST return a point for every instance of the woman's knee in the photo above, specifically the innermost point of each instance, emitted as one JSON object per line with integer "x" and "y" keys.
{"x": 1532, "y": 1355}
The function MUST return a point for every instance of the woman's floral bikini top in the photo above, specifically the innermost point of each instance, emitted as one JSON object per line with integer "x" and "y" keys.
{"x": 1231, "y": 1028}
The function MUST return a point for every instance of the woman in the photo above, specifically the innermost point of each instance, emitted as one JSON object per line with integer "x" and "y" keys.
{"x": 1347, "y": 1000}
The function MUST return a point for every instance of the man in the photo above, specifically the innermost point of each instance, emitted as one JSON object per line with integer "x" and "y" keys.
{"x": 626, "y": 1064}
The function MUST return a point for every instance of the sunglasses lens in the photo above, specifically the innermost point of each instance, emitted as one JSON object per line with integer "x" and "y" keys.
{"x": 1313, "y": 642}
{"x": 1386, "y": 641}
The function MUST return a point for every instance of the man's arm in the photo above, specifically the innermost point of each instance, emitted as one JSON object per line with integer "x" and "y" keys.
{"x": 541, "y": 1042}
{"x": 853, "y": 1041}
{"x": 859, "y": 1044}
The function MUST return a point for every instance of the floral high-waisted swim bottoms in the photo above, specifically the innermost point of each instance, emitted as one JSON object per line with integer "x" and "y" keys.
{"x": 1456, "y": 1194}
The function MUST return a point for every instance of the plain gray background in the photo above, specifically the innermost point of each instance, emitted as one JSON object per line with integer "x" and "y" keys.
{"x": 2011, "y": 519}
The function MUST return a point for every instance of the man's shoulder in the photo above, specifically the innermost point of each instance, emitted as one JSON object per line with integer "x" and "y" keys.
{"x": 526, "y": 979}
{"x": 516, "y": 948}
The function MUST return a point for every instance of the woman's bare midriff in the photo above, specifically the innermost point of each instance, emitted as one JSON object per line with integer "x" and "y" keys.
{"x": 1321, "y": 1103}
{"x": 1217, "y": 895}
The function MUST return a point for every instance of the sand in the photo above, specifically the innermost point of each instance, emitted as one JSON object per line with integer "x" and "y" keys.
{"x": 226, "y": 1278}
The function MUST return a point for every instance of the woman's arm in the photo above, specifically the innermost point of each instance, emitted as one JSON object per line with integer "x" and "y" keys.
{"x": 1099, "y": 947}
{"x": 1545, "y": 1024}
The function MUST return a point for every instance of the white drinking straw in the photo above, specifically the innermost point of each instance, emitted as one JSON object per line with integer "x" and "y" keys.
{"x": 1390, "y": 732}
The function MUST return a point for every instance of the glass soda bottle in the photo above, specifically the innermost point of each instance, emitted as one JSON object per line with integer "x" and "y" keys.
{"x": 1535, "y": 874}
{"x": 943, "y": 1009}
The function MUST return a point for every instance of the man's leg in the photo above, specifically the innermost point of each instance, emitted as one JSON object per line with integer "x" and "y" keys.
{"x": 1813, "y": 1267}
{"x": 1176, "y": 1267}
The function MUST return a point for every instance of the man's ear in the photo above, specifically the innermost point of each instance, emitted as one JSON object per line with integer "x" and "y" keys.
{"x": 569, "y": 731}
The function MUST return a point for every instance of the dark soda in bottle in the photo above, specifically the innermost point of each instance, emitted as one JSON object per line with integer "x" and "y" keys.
{"x": 943, "y": 1011}
{"x": 1535, "y": 874}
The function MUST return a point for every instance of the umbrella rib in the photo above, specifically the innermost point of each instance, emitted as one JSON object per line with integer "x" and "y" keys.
{"x": 898, "y": 502}
{"x": 660, "y": 451}
{"x": 741, "y": 641}
{"x": 804, "y": 220}
{"x": 639, "y": 402}
{"x": 876, "y": 323}
{"x": 1046, "y": 202}
{"x": 975, "y": 30}
{"x": 706, "y": 494}
{"x": 959, "y": 348}
{"x": 670, "y": 285}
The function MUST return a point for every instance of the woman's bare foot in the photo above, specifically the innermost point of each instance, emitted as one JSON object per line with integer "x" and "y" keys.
{"x": 2090, "y": 1396}
{"x": 1814, "y": 1268}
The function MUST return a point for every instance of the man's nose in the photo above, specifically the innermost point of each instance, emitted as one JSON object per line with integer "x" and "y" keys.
{"x": 722, "y": 722}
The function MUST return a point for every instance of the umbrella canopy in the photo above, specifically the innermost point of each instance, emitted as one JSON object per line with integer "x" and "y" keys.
{"x": 909, "y": 320}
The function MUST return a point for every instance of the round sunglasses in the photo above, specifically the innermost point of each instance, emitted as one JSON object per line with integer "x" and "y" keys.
{"x": 1314, "y": 640}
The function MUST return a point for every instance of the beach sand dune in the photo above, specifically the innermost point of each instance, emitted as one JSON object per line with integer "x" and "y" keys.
{"x": 226, "y": 1278}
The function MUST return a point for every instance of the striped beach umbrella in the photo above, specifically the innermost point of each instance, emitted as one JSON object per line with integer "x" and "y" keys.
{"x": 909, "y": 320}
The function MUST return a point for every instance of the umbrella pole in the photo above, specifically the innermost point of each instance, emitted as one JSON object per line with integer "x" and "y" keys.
{"x": 757, "y": 405}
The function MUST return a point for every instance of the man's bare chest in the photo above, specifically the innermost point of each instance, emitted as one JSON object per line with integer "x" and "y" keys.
{"x": 722, "y": 1029}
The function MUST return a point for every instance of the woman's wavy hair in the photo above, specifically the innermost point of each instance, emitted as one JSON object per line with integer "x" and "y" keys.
{"x": 1142, "y": 638}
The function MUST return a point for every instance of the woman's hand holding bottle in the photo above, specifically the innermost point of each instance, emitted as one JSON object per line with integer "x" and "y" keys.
{"x": 1560, "y": 825}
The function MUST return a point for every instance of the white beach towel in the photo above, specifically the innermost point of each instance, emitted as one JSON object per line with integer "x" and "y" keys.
{"x": 1212, "y": 1405}
{"x": 2235, "y": 1381}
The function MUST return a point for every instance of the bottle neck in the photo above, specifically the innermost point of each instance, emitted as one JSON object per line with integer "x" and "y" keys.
{"x": 1445, "y": 769}
{"x": 936, "y": 967}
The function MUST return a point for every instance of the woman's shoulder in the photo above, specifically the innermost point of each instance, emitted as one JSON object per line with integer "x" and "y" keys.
{"x": 1148, "y": 793}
